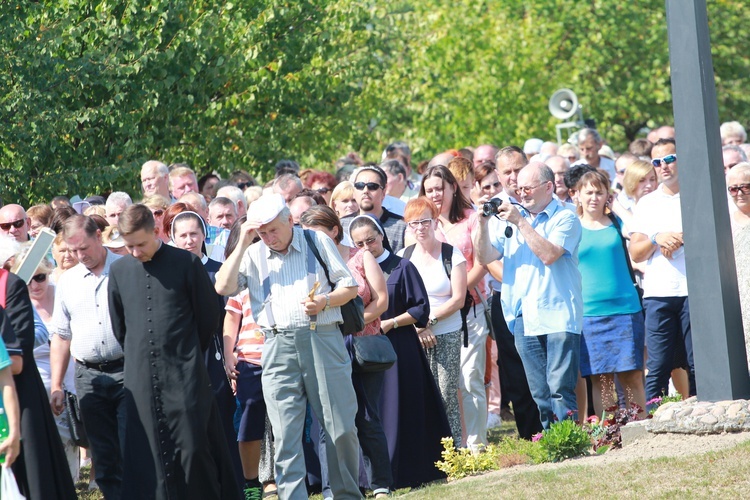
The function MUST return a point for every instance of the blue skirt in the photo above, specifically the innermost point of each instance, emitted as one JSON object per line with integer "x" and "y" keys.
{"x": 612, "y": 344}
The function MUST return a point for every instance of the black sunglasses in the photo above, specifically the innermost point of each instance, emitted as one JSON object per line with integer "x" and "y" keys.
{"x": 324, "y": 190}
{"x": 371, "y": 186}
{"x": 39, "y": 278}
{"x": 18, "y": 224}
{"x": 243, "y": 185}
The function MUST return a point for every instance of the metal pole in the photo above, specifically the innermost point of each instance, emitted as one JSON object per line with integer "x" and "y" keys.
{"x": 718, "y": 341}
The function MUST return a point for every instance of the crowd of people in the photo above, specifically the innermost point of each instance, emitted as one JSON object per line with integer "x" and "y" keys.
{"x": 201, "y": 328}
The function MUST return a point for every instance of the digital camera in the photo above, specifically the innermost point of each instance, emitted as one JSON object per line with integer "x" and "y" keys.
{"x": 491, "y": 207}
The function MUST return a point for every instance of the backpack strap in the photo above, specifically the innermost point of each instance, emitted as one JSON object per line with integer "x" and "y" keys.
{"x": 408, "y": 251}
{"x": 446, "y": 251}
{"x": 616, "y": 223}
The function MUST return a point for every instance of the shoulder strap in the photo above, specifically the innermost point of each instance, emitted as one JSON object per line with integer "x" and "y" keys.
{"x": 408, "y": 251}
{"x": 3, "y": 287}
{"x": 446, "y": 251}
{"x": 314, "y": 249}
{"x": 617, "y": 226}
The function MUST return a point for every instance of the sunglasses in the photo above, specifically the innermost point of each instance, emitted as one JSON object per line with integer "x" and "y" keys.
{"x": 667, "y": 160}
{"x": 158, "y": 213}
{"x": 39, "y": 278}
{"x": 324, "y": 190}
{"x": 415, "y": 224}
{"x": 18, "y": 224}
{"x": 739, "y": 188}
{"x": 487, "y": 187}
{"x": 371, "y": 186}
{"x": 362, "y": 244}
{"x": 243, "y": 185}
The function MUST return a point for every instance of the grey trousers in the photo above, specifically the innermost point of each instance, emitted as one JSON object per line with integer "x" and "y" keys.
{"x": 301, "y": 366}
{"x": 445, "y": 364}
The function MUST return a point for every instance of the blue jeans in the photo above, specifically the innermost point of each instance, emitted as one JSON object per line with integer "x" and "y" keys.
{"x": 101, "y": 396}
{"x": 552, "y": 364}
{"x": 667, "y": 326}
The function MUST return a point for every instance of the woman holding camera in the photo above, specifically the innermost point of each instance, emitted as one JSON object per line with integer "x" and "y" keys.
{"x": 457, "y": 222}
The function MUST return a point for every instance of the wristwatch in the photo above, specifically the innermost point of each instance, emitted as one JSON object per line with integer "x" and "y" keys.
{"x": 328, "y": 303}
{"x": 433, "y": 321}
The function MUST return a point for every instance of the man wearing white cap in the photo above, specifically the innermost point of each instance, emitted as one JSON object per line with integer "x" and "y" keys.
{"x": 304, "y": 357}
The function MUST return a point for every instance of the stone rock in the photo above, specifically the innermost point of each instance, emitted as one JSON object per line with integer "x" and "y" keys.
{"x": 634, "y": 431}
{"x": 709, "y": 420}
{"x": 734, "y": 410}
{"x": 699, "y": 411}
{"x": 718, "y": 411}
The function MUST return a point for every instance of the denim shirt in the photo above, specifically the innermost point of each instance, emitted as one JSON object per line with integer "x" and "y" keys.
{"x": 548, "y": 297}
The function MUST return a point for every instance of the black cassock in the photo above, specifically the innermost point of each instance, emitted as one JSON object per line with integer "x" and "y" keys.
{"x": 164, "y": 312}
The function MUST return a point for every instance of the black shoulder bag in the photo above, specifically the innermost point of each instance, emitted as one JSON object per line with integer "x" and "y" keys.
{"x": 617, "y": 226}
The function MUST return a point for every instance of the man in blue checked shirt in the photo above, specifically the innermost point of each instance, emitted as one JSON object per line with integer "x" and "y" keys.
{"x": 541, "y": 290}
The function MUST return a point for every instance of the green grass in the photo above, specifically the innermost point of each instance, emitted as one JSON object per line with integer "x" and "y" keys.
{"x": 724, "y": 474}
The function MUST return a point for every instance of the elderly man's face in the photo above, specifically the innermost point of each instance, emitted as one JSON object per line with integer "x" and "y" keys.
{"x": 185, "y": 184}
{"x": 153, "y": 183}
{"x": 589, "y": 149}
{"x": 731, "y": 158}
{"x": 277, "y": 234}
{"x": 222, "y": 215}
{"x": 14, "y": 222}
{"x": 113, "y": 213}
{"x": 533, "y": 192}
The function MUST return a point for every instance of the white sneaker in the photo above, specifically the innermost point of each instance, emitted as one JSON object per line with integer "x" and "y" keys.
{"x": 493, "y": 421}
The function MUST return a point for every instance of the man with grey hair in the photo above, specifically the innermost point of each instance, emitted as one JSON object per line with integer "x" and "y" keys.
{"x": 589, "y": 144}
{"x": 287, "y": 185}
{"x": 155, "y": 179}
{"x": 541, "y": 291}
{"x": 196, "y": 202}
{"x": 732, "y": 155}
{"x": 117, "y": 202}
{"x": 237, "y": 196}
{"x": 222, "y": 212}
{"x": 298, "y": 306}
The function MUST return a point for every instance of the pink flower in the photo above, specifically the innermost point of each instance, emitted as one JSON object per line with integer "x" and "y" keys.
{"x": 593, "y": 419}
{"x": 536, "y": 437}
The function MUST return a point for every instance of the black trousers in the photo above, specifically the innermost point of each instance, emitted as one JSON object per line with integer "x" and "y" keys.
{"x": 513, "y": 383}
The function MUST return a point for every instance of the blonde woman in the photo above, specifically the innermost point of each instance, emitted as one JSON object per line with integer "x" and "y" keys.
{"x": 342, "y": 199}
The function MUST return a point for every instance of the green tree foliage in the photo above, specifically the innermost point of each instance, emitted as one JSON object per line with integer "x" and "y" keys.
{"x": 90, "y": 90}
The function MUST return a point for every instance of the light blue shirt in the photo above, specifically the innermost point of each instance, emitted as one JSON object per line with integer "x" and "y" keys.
{"x": 548, "y": 297}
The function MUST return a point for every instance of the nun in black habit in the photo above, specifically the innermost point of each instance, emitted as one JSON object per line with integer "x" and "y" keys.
{"x": 164, "y": 311}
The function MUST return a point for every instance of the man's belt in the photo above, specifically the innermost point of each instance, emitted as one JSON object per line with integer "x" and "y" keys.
{"x": 104, "y": 366}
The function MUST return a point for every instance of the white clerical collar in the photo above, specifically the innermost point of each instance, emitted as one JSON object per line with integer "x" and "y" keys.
{"x": 383, "y": 256}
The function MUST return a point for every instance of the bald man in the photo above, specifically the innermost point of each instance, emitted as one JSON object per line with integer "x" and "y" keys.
{"x": 15, "y": 223}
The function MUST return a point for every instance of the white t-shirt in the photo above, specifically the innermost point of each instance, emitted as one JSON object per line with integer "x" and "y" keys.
{"x": 606, "y": 164}
{"x": 438, "y": 288}
{"x": 658, "y": 212}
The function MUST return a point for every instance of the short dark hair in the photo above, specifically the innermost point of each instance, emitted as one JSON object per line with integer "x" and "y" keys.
{"x": 77, "y": 222}
{"x": 372, "y": 168}
{"x": 575, "y": 173}
{"x": 134, "y": 218}
{"x": 664, "y": 141}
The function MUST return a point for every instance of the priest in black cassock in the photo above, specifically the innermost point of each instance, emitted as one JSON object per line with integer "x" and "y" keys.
{"x": 164, "y": 311}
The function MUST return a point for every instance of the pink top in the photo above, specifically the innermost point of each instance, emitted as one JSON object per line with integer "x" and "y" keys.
{"x": 357, "y": 267}
{"x": 459, "y": 235}
{"x": 250, "y": 338}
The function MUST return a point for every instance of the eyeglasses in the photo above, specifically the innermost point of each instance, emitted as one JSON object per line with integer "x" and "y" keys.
{"x": 18, "y": 224}
{"x": 243, "y": 185}
{"x": 325, "y": 190}
{"x": 415, "y": 224}
{"x": 487, "y": 187}
{"x": 529, "y": 189}
{"x": 371, "y": 186}
{"x": 158, "y": 213}
{"x": 739, "y": 188}
{"x": 39, "y": 278}
{"x": 669, "y": 159}
{"x": 366, "y": 243}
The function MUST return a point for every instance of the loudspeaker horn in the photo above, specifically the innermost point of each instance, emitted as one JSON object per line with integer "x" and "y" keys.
{"x": 563, "y": 104}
